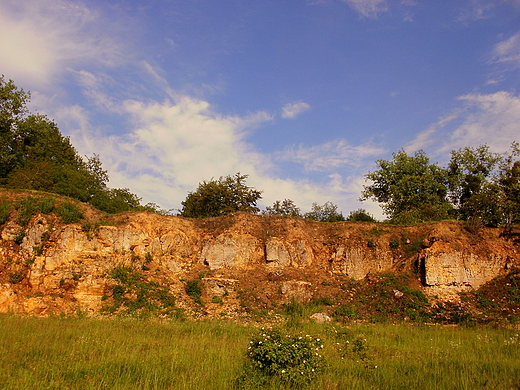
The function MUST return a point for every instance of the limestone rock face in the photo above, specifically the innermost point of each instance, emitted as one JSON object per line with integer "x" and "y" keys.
{"x": 231, "y": 251}
{"x": 453, "y": 268}
{"x": 357, "y": 262}
{"x": 59, "y": 267}
{"x": 282, "y": 253}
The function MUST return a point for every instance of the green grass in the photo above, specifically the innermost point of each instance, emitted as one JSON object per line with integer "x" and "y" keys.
{"x": 118, "y": 353}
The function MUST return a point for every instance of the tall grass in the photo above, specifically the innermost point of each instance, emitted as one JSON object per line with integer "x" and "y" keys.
{"x": 86, "y": 353}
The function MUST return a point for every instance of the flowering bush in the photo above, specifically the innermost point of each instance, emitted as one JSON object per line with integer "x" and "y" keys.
{"x": 291, "y": 358}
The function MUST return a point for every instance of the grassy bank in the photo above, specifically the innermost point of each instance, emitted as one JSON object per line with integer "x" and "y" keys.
{"x": 80, "y": 353}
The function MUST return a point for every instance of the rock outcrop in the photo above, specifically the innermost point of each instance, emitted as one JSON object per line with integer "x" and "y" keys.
{"x": 59, "y": 267}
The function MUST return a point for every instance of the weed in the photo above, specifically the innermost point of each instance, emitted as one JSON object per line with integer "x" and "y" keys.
{"x": 90, "y": 228}
{"x": 19, "y": 236}
{"x": 377, "y": 231}
{"x": 26, "y": 207}
{"x": 46, "y": 205}
{"x": 194, "y": 289}
{"x": 38, "y": 249}
{"x": 148, "y": 258}
{"x": 341, "y": 313}
{"x": 371, "y": 243}
{"x": 217, "y": 299}
{"x": 394, "y": 244}
{"x": 16, "y": 277}
{"x": 69, "y": 213}
{"x": 413, "y": 246}
{"x": 136, "y": 296}
{"x": 5, "y": 210}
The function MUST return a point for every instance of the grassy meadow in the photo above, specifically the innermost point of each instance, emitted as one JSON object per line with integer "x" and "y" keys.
{"x": 118, "y": 353}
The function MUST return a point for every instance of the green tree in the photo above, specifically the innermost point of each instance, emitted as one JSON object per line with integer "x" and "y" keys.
{"x": 35, "y": 155}
{"x": 13, "y": 108}
{"x": 286, "y": 208}
{"x": 508, "y": 183}
{"x": 221, "y": 197}
{"x": 473, "y": 189}
{"x": 410, "y": 188}
{"x": 360, "y": 215}
{"x": 328, "y": 212}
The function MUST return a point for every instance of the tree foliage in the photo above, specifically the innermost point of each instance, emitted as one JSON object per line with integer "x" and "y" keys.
{"x": 360, "y": 215}
{"x": 328, "y": 212}
{"x": 410, "y": 188}
{"x": 221, "y": 197}
{"x": 286, "y": 208}
{"x": 477, "y": 186}
{"x": 35, "y": 155}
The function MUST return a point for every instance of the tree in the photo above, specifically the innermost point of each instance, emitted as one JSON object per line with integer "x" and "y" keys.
{"x": 13, "y": 102}
{"x": 508, "y": 183}
{"x": 410, "y": 189}
{"x": 221, "y": 197}
{"x": 472, "y": 184}
{"x": 35, "y": 155}
{"x": 328, "y": 212}
{"x": 360, "y": 215}
{"x": 286, "y": 208}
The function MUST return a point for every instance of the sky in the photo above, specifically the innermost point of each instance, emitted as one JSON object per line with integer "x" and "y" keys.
{"x": 303, "y": 96}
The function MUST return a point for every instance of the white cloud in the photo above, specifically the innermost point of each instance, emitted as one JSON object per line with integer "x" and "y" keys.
{"x": 490, "y": 119}
{"x": 330, "y": 155}
{"x": 508, "y": 51}
{"x": 170, "y": 147}
{"x": 476, "y": 10}
{"x": 41, "y": 38}
{"x": 368, "y": 8}
{"x": 292, "y": 110}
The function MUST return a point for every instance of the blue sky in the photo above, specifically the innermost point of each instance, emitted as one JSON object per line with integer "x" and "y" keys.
{"x": 302, "y": 95}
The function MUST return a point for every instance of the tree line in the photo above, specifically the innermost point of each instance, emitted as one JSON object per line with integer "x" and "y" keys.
{"x": 35, "y": 155}
{"x": 477, "y": 185}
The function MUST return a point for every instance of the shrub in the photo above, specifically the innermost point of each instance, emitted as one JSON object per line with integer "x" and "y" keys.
{"x": 194, "y": 289}
{"x": 69, "y": 212}
{"x": 19, "y": 237}
{"x": 5, "y": 210}
{"x": 47, "y": 205}
{"x": 394, "y": 244}
{"x": 27, "y": 207}
{"x": 342, "y": 312}
{"x": 134, "y": 295}
{"x": 16, "y": 277}
{"x": 293, "y": 359}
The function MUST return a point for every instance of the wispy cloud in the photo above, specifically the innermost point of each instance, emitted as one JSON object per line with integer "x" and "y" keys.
{"x": 368, "y": 8}
{"x": 490, "y": 119}
{"x": 174, "y": 145}
{"x": 508, "y": 51}
{"x": 41, "y": 38}
{"x": 475, "y": 10}
{"x": 329, "y": 156}
{"x": 292, "y": 110}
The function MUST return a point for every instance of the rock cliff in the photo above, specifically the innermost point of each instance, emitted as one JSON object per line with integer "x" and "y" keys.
{"x": 49, "y": 267}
